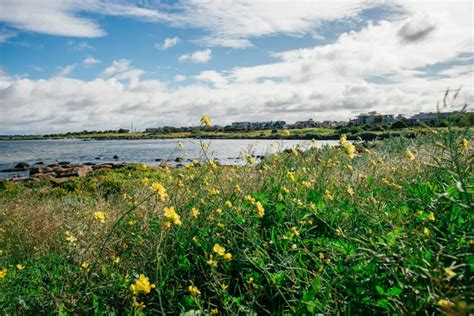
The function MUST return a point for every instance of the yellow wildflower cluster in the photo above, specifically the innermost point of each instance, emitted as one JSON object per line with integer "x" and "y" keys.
{"x": 3, "y": 273}
{"x": 228, "y": 204}
{"x": 350, "y": 150}
{"x": 70, "y": 237}
{"x": 85, "y": 266}
{"x": 391, "y": 184}
{"x": 409, "y": 155}
{"x": 20, "y": 266}
{"x": 99, "y": 216}
{"x": 142, "y": 285}
{"x": 260, "y": 209}
{"x": 291, "y": 175}
{"x": 160, "y": 190}
{"x": 328, "y": 195}
{"x": 193, "y": 290}
{"x": 205, "y": 120}
{"x": 342, "y": 139}
{"x": 219, "y": 250}
{"x": 195, "y": 212}
{"x": 172, "y": 217}
{"x": 213, "y": 191}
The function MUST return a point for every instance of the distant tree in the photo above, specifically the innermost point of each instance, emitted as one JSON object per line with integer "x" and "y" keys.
{"x": 399, "y": 124}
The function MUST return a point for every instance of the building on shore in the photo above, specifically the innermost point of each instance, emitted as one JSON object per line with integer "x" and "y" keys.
{"x": 305, "y": 124}
{"x": 258, "y": 125}
{"x": 373, "y": 118}
{"x": 430, "y": 117}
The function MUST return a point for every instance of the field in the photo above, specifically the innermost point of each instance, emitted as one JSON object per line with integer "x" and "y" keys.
{"x": 370, "y": 228}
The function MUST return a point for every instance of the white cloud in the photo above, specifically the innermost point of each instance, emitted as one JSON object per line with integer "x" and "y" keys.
{"x": 80, "y": 46}
{"x": 5, "y": 35}
{"x": 90, "y": 61}
{"x": 65, "y": 71}
{"x": 199, "y": 56}
{"x": 212, "y": 76}
{"x": 117, "y": 66}
{"x": 179, "y": 78}
{"x": 168, "y": 43}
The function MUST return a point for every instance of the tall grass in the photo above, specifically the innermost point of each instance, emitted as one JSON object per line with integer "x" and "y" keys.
{"x": 302, "y": 232}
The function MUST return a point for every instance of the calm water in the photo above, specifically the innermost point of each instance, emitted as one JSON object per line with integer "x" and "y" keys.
{"x": 226, "y": 151}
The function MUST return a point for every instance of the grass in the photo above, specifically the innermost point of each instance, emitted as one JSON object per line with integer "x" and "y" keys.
{"x": 303, "y": 232}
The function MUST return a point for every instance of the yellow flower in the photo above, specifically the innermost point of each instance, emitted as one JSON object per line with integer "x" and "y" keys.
{"x": 145, "y": 180}
{"x": 219, "y": 250}
{"x": 116, "y": 259}
{"x": 445, "y": 304}
{"x": 409, "y": 155}
{"x": 85, "y": 266}
{"x": 131, "y": 223}
{"x": 212, "y": 262}
{"x": 426, "y": 231}
{"x": 193, "y": 290}
{"x": 350, "y": 150}
{"x": 195, "y": 212}
{"x": 250, "y": 280}
{"x": 431, "y": 217}
{"x": 180, "y": 145}
{"x": 142, "y": 285}
{"x": 213, "y": 191}
{"x": 285, "y": 133}
{"x": 214, "y": 311}
{"x": 260, "y": 209}
{"x": 294, "y": 152}
{"x": 328, "y": 195}
{"x": 350, "y": 191}
{"x": 238, "y": 189}
{"x": 342, "y": 139}
{"x": 3, "y": 273}
{"x": 228, "y": 256}
{"x": 250, "y": 199}
{"x": 171, "y": 214}
{"x": 70, "y": 237}
{"x": 449, "y": 273}
{"x": 137, "y": 304}
{"x": 291, "y": 175}
{"x": 250, "y": 160}
{"x": 99, "y": 216}
{"x": 312, "y": 206}
{"x": 160, "y": 190}
{"x": 349, "y": 167}
{"x": 464, "y": 144}
{"x": 20, "y": 266}
{"x": 224, "y": 286}
{"x": 228, "y": 204}
{"x": 205, "y": 120}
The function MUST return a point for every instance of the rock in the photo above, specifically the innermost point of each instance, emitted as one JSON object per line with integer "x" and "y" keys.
{"x": 40, "y": 170}
{"x": 22, "y": 166}
{"x": 89, "y": 164}
{"x": 115, "y": 157}
{"x": 98, "y": 158}
{"x": 76, "y": 171}
{"x": 39, "y": 163}
{"x": 179, "y": 159}
{"x": 103, "y": 166}
{"x": 64, "y": 163}
{"x": 54, "y": 165}
{"x": 158, "y": 159}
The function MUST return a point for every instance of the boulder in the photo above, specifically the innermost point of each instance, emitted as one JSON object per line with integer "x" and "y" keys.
{"x": 22, "y": 166}
{"x": 76, "y": 171}
{"x": 115, "y": 157}
{"x": 179, "y": 159}
{"x": 40, "y": 170}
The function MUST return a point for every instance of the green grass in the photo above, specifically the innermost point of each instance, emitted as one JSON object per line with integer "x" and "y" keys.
{"x": 378, "y": 233}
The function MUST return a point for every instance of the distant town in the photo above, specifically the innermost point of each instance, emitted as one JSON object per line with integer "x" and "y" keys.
{"x": 370, "y": 119}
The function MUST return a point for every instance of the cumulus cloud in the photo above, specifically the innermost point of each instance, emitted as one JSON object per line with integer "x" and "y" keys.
{"x": 90, "y": 61}
{"x": 117, "y": 66}
{"x": 199, "y": 56}
{"x": 168, "y": 43}
{"x": 179, "y": 78}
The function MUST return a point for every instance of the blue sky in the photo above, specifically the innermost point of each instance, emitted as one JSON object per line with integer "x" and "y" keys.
{"x": 100, "y": 64}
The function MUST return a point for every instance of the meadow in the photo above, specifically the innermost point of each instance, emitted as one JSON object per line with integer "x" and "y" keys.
{"x": 358, "y": 228}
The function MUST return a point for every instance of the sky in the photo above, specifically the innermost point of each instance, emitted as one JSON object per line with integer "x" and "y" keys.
{"x": 73, "y": 65}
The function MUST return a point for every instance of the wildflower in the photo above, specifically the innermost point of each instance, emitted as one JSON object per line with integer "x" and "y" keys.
{"x": 449, "y": 273}
{"x": 238, "y": 189}
{"x": 3, "y": 273}
{"x": 260, "y": 209}
{"x": 224, "y": 286}
{"x": 131, "y": 223}
{"x": 294, "y": 152}
{"x": 214, "y": 311}
{"x": 70, "y": 237}
{"x": 250, "y": 280}
{"x": 409, "y": 155}
{"x": 464, "y": 143}
{"x": 220, "y": 225}
{"x": 116, "y": 259}
{"x": 99, "y": 216}
{"x": 295, "y": 231}
{"x": 160, "y": 190}
{"x": 285, "y": 133}
{"x": 342, "y": 139}
{"x": 219, "y": 250}
{"x": 212, "y": 262}
{"x": 294, "y": 246}
{"x": 180, "y": 145}
{"x": 195, "y": 212}
{"x": 350, "y": 191}
{"x": 142, "y": 285}
{"x": 291, "y": 175}
{"x": 228, "y": 204}
{"x": 213, "y": 191}
{"x": 349, "y": 167}
{"x": 137, "y": 304}
{"x": 350, "y": 150}
{"x": 328, "y": 195}
{"x": 250, "y": 160}
{"x": 205, "y": 120}
{"x": 312, "y": 206}
{"x": 193, "y": 290}
{"x": 431, "y": 217}
{"x": 84, "y": 266}
{"x": 339, "y": 231}
{"x": 228, "y": 256}
{"x": 250, "y": 199}
{"x": 219, "y": 211}
{"x": 426, "y": 231}
{"x": 20, "y": 266}
{"x": 173, "y": 217}
{"x": 445, "y": 304}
